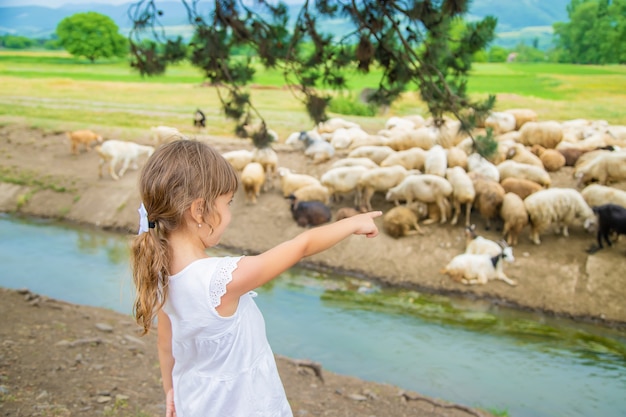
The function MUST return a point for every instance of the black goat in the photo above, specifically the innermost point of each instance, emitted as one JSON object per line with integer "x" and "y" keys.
{"x": 611, "y": 218}
{"x": 309, "y": 213}
{"x": 199, "y": 119}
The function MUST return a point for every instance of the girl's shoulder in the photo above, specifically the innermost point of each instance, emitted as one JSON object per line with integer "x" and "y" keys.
{"x": 209, "y": 265}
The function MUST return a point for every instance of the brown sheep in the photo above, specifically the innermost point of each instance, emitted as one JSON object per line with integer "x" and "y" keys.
{"x": 83, "y": 137}
{"x": 520, "y": 186}
{"x": 345, "y": 212}
{"x": 552, "y": 159}
{"x": 489, "y": 197}
{"x": 401, "y": 221}
{"x": 515, "y": 217}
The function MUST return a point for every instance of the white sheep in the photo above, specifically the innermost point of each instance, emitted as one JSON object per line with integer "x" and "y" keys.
{"x": 268, "y": 158}
{"x": 115, "y": 151}
{"x": 547, "y": 134}
{"x": 401, "y": 221}
{"x": 479, "y": 245}
{"x": 316, "y": 148}
{"x": 476, "y": 163}
{"x": 519, "y": 153}
{"x": 398, "y": 139}
{"x": 457, "y": 157}
{"x": 520, "y": 186}
{"x": 500, "y": 122}
{"x": 562, "y": 206}
{"x": 436, "y": 161}
{"x": 343, "y": 180}
{"x": 604, "y": 169}
{"x": 522, "y": 116}
{"x": 413, "y": 158}
{"x": 313, "y": 192}
{"x": 370, "y": 140}
{"x": 375, "y": 153}
{"x": 350, "y": 162}
{"x": 471, "y": 269}
{"x": 291, "y": 181}
{"x": 598, "y": 195}
{"x": 514, "y": 216}
{"x": 252, "y": 180}
{"x": 239, "y": 158}
{"x": 462, "y": 193}
{"x": 165, "y": 134}
{"x": 508, "y": 169}
{"x": 342, "y": 138}
{"x": 378, "y": 180}
{"x": 334, "y": 123}
{"x": 423, "y": 188}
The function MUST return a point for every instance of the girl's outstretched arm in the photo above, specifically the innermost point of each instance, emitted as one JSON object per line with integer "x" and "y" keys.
{"x": 254, "y": 271}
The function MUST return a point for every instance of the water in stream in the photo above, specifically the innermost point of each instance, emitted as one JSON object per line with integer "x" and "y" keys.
{"x": 468, "y": 353}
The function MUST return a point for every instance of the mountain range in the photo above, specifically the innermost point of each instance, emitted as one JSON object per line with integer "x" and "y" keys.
{"x": 518, "y": 21}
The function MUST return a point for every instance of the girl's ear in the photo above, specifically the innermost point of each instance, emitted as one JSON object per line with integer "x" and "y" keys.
{"x": 197, "y": 210}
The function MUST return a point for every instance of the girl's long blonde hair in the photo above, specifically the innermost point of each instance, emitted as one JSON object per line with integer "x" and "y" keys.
{"x": 174, "y": 176}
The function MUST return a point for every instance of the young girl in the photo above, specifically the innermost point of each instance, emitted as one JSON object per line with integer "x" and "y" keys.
{"x": 214, "y": 355}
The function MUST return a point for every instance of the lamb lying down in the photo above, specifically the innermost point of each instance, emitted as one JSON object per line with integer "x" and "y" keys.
{"x": 473, "y": 269}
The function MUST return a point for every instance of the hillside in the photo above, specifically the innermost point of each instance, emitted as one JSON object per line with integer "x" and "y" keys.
{"x": 514, "y": 18}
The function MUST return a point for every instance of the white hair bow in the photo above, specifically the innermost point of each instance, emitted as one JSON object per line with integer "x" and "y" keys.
{"x": 143, "y": 219}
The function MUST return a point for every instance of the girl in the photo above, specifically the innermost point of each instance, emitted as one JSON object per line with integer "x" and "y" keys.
{"x": 214, "y": 356}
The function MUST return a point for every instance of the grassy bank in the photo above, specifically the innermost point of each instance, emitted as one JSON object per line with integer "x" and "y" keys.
{"x": 55, "y": 90}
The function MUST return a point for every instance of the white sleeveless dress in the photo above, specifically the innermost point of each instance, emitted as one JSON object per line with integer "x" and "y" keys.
{"x": 224, "y": 366}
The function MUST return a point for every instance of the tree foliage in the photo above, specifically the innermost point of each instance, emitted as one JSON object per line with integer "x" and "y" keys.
{"x": 416, "y": 44}
{"x": 595, "y": 34}
{"x": 91, "y": 35}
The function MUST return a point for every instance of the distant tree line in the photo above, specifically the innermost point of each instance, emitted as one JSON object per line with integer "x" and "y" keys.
{"x": 23, "y": 42}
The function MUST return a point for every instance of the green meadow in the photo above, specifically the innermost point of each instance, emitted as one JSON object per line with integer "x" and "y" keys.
{"x": 55, "y": 91}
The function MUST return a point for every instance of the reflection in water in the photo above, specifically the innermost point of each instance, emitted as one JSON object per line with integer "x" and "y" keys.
{"x": 469, "y": 353}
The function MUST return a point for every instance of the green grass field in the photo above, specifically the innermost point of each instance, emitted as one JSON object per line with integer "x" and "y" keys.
{"x": 55, "y": 91}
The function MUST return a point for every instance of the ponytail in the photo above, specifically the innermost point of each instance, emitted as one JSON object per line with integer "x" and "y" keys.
{"x": 150, "y": 265}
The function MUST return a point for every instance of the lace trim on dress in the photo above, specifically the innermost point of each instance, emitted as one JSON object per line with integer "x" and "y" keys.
{"x": 223, "y": 276}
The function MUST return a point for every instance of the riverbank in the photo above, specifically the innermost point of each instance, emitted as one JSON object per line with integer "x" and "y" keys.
{"x": 42, "y": 178}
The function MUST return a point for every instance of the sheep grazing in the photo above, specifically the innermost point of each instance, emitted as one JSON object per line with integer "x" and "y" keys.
{"x": 489, "y": 197}
{"x": 252, "y": 180}
{"x": 508, "y": 169}
{"x": 522, "y": 116}
{"x": 476, "y": 163}
{"x": 82, "y": 137}
{"x": 314, "y": 146}
{"x": 268, "y": 158}
{"x": 413, "y": 158}
{"x": 571, "y": 155}
{"x": 378, "y": 180}
{"x": 562, "y": 206}
{"x": 400, "y": 221}
{"x": 309, "y": 213}
{"x": 290, "y": 181}
{"x": 375, "y": 153}
{"x": 334, "y": 123}
{"x": 604, "y": 169}
{"x": 345, "y": 212}
{"x": 471, "y": 269}
{"x": 436, "y": 161}
{"x": 552, "y": 159}
{"x": 519, "y": 153}
{"x": 425, "y": 189}
{"x": 611, "y": 219}
{"x": 238, "y": 158}
{"x": 401, "y": 140}
{"x": 462, "y": 193}
{"x": 523, "y": 188}
{"x": 115, "y": 151}
{"x": 514, "y": 216}
{"x": 478, "y": 245}
{"x": 350, "y": 162}
{"x": 456, "y": 157}
{"x": 547, "y": 134}
{"x": 313, "y": 192}
{"x": 165, "y": 134}
{"x": 343, "y": 180}
{"x": 500, "y": 122}
{"x": 597, "y": 195}
{"x": 199, "y": 119}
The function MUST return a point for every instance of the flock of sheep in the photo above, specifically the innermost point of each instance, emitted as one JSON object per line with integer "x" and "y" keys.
{"x": 431, "y": 173}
